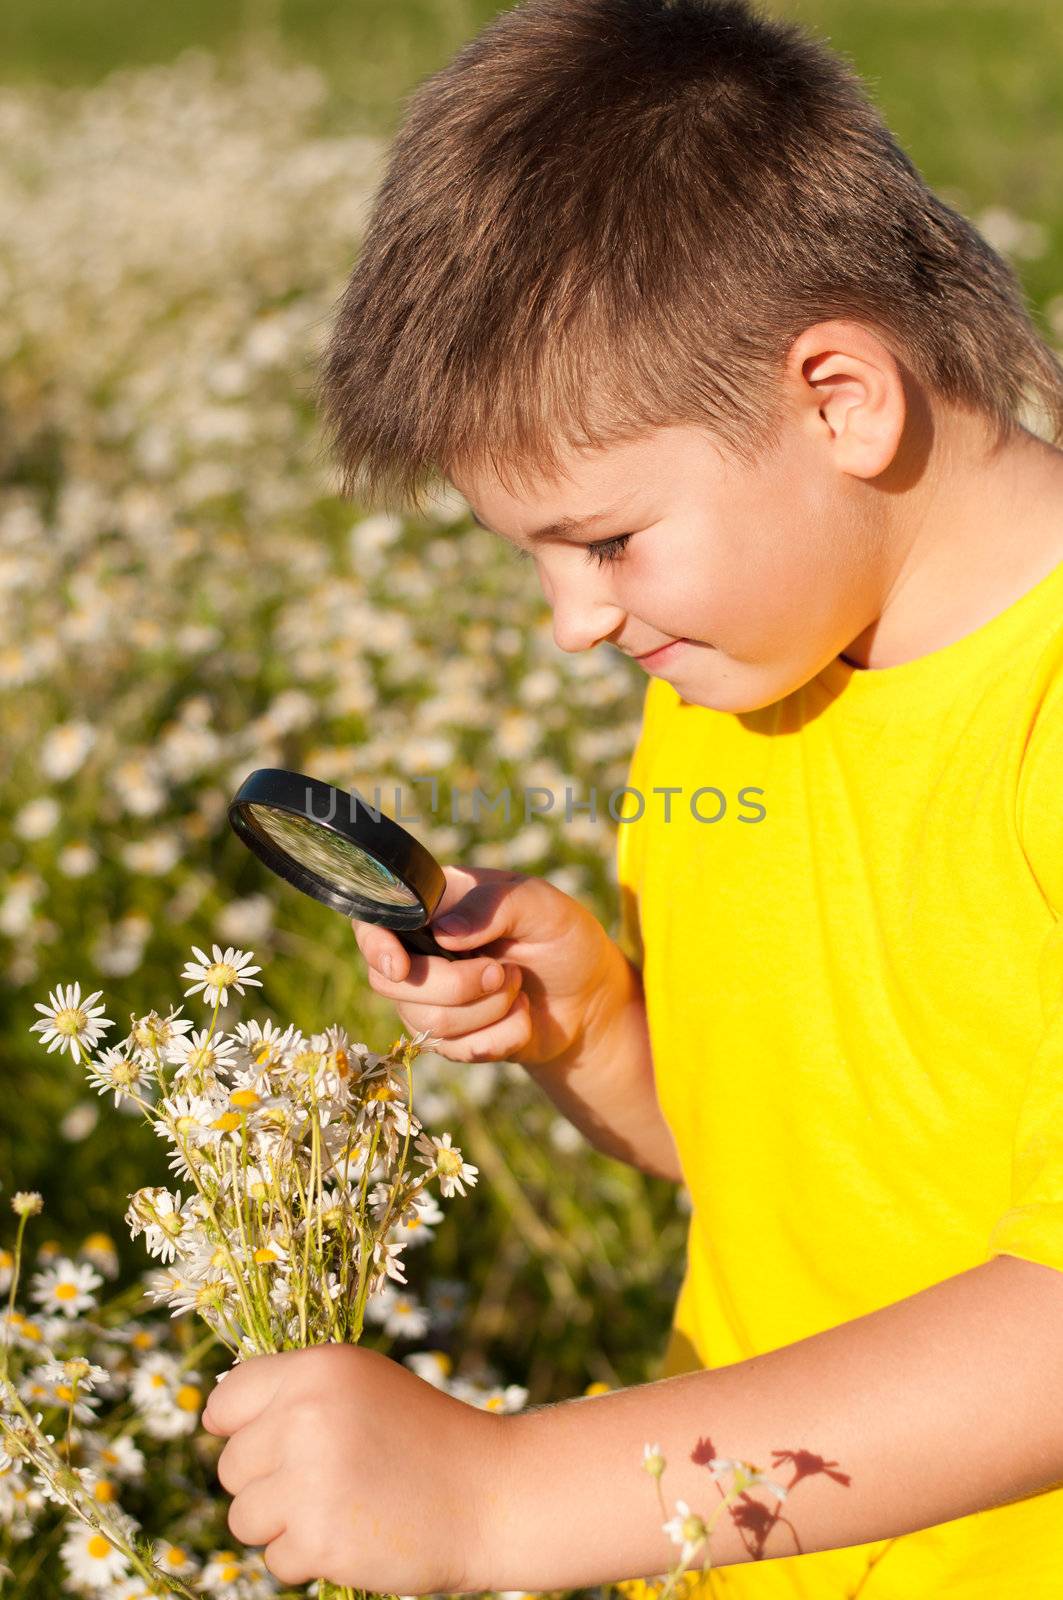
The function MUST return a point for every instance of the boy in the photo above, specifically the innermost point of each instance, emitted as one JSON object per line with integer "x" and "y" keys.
{"x": 663, "y": 265}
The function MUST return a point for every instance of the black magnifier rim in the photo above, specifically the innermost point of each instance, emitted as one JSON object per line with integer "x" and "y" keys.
{"x": 384, "y": 840}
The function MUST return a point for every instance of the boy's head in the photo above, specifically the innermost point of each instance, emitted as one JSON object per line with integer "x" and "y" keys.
{"x": 665, "y": 256}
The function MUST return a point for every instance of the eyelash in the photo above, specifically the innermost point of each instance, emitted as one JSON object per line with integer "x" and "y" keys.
{"x": 604, "y": 552}
{"x": 607, "y": 549}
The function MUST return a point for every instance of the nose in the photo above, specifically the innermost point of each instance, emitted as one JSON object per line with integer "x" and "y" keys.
{"x": 581, "y": 621}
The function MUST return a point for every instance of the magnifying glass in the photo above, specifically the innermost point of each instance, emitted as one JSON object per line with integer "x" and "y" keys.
{"x": 354, "y": 858}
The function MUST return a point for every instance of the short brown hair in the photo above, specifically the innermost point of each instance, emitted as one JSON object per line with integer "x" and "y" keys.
{"x": 604, "y": 215}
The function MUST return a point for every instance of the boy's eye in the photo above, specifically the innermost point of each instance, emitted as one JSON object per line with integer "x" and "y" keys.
{"x": 607, "y": 549}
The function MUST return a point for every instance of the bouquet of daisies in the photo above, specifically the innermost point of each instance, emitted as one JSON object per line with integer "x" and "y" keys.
{"x": 300, "y": 1174}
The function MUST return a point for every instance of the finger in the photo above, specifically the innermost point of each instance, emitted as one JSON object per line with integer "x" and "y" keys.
{"x": 256, "y": 1515}
{"x": 380, "y": 946}
{"x": 499, "y": 1042}
{"x": 244, "y": 1390}
{"x": 452, "y": 1023}
{"x": 286, "y": 1561}
{"x": 251, "y": 1453}
{"x": 483, "y": 913}
{"x": 448, "y": 984}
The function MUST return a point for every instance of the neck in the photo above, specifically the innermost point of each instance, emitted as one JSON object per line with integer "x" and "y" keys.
{"x": 964, "y": 538}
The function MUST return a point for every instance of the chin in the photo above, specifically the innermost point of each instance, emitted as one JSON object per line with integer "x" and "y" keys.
{"x": 736, "y": 687}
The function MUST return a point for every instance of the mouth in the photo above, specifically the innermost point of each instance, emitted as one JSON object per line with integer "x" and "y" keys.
{"x": 664, "y": 653}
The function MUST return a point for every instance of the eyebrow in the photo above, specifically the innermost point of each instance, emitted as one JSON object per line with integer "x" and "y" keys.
{"x": 563, "y": 526}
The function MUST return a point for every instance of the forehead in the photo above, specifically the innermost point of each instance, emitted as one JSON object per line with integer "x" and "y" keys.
{"x": 589, "y": 483}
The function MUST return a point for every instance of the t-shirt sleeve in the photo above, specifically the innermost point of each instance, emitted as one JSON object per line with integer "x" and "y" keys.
{"x": 630, "y": 835}
{"x": 1032, "y": 1227}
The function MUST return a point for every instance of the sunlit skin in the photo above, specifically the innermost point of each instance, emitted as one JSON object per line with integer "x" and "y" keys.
{"x": 885, "y": 526}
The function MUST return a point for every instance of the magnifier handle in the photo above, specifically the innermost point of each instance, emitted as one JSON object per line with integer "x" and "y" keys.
{"x": 421, "y": 942}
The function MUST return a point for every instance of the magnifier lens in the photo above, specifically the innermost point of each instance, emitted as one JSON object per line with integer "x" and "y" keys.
{"x": 338, "y": 860}
{"x": 364, "y": 866}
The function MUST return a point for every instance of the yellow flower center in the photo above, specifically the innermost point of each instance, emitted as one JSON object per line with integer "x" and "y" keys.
{"x": 449, "y": 1161}
{"x": 188, "y": 1397}
{"x": 176, "y": 1557}
{"x": 143, "y": 1341}
{"x": 244, "y": 1098}
{"x": 70, "y": 1021}
{"x": 104, "y": 1491}
{"x": 227, "y": 1121}
{"x": 221, "y": 974}
{"x": 64, "y": 1392}
{"x": 265, "y": 1254}
{"x": 98, "y": 1241}
{"x": 98, "y": 1546}
{"x": 66, "y": 1291}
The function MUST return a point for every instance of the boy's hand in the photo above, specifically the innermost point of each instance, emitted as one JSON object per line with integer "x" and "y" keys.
{"x": 349, "y": 1467}
{"x": 555, "y": 956}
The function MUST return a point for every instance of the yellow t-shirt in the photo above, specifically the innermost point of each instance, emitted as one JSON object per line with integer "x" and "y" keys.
{"x": 852, "y": 949}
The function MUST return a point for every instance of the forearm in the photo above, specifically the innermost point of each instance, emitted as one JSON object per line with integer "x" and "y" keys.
{"x": 605, "y": 1084}
{"x": 935, "y": 1407}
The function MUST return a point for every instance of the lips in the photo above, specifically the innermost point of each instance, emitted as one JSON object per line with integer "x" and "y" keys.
{"x": 658, "y": 649}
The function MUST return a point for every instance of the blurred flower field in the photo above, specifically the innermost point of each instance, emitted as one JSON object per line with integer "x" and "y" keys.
{"x": 183, "y": 598}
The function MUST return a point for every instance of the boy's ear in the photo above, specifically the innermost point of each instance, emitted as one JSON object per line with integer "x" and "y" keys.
{"x": 851, "y": 392}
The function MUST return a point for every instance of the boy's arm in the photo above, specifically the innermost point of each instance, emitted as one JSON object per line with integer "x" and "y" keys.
{"x": 605, "y": 1085}
{"x": 935, "y": 1407}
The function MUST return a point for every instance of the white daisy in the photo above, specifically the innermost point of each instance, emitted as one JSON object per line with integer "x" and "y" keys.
{"x": 66, "y": 1287}
{"x": 266, "y": 1044}
{"x": 221, "y": 1573}
{"x": 76, "y": 1369}
{"x": 746, "y": 1475}
{"x": 36, "y": 1390}
{"x": 413, "y": 1225}
{"x": 118, "y": 1069}
{"x": 159, "y": 1037}
{"x": 92, "y": 1559}
{"x": 172, "y": 1558}
{"x": 69, "y": 1022}
{"x": 434, "y": 1366}
{"x": 388, "y": 1254}
{"x": 118, "y": 1457}
{"x": 64, "y": 748}
{"x": 99, "y": 1249}
{"x": 202, "y": 1052}
{"x": 688, "y": 1529}
{"x": 446, "y": 1160}
{"x": 158, "y": 1214}
{"x": 228, "y": 970}
{"x": 406, "y": 1318}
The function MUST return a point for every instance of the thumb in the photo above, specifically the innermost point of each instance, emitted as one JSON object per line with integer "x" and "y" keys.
{"x": 477, "y": 905}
